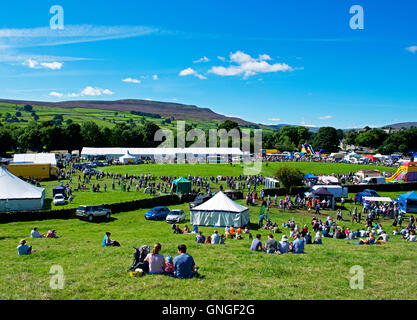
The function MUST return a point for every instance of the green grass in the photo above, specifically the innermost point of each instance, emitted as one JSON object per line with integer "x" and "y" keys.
{"x": 230, "y": 271}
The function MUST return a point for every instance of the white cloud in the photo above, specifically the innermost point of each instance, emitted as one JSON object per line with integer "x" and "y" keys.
{"x": 56, "y": 94}
{"x": 131, "y": 80}
{"x": 155, "y": 77}
{"x": 33, "y": 64}
{"x": 52, "y": 65}
{"x": 203, "y": 59}
{"x": 247, "y": 66}
{"x": 44, "y": 36}
{"x": 90, "y": 91}
{"x": 325, "y": 117}
{"x": 412, "y": 49}
{"x": 274, "y": 119}
{"x": 190, "y": 71}
{"x": 221, "y": 58}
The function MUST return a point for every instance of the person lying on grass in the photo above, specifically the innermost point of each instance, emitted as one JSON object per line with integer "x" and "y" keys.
{"x": 156, "y": 260}
{"x": 24, "y": 248}
{"x": 51, "y": 234}
{"x": 184, "y": 265}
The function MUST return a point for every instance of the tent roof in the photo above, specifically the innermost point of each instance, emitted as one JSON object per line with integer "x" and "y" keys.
{"x": 378, "y": 199}
{"x": 181, "y": 180}
{"x": 409, "y": 196}
{"x": 220, "y": 202}
{"x": 11, "y": 187}
{"x": 38, "y": 158}
{"x": 322, "y": 192}
{"x": 89, "y": 151}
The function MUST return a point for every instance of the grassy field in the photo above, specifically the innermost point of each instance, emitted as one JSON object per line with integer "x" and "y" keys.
{"x": 230, "y": 271}
{"x": 206, "y": 170}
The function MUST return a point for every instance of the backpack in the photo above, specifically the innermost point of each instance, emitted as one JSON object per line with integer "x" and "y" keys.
{"x": 139, "y": 259}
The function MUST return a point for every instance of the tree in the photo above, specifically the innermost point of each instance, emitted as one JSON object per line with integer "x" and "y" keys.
{"x": 91, "y": 134}
{"x": 149, "y": 129}
{"x": 28, "y": 108}
{"x": 228, "y": 125}
{"x": 18, "y": 114}
{"x": 327, "y": 138}
{"x": 351, "y": 136}
{"x": 373, "y": 138}
{"x": 6, "y": 141}
{"x": 289, "y": 177}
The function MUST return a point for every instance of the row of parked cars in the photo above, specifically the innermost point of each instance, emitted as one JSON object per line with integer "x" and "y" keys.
{"x": 92, "y": 213}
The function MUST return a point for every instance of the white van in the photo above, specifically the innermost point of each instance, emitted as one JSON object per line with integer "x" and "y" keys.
{"x": 373, "y": 180}
{"x": 337, "y": 191}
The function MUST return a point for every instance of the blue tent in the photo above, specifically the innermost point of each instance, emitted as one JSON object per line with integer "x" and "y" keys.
{"x": 408, "y": 202}
{"x": 310, "y": 176}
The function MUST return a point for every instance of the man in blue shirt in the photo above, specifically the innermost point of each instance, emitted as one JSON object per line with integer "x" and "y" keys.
{"x": 23, "y": 248}
{"x": 298, "y": 245}
{"x": 256, "y": 244}
{"x": 184, "y": 265}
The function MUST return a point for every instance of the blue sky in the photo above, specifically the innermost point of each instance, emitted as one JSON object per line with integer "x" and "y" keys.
{"x": 271, "y": 62}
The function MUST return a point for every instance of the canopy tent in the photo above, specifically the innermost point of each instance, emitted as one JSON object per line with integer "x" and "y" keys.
{"x": 310, "y": 176}
{"x": 181, "y": 185}
{"x": 408, "y": 202}
{"x": 371, "y": 157}
{"x": 59, "y": 190}
{"x": 323, "y": 194}
{"x": 329, "y": 180}
{"x": 220, "y": 211}
{"x": 127, "y": 158}
{"x": 18, "y": 195}
{"x": 377, "y": 199}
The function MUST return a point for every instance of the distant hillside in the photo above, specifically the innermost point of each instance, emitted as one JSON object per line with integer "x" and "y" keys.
{"x": 165, "y": 109}
{"x": 279, "y": 126}
{"x": 401, "y": 125}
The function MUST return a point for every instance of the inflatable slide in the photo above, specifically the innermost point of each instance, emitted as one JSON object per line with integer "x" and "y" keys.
{"x": 405, "y": 173}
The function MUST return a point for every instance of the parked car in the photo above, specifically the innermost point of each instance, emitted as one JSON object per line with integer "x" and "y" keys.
{"x": 365, "y": 193}
{"x": 59, "y": 200}
{"x": 373, "y": 180}
{"x": 176, "y": 216}
{"x": 157, "y": 213}
{"x": 199, "y": 200}
{"x": 92, "y": 212}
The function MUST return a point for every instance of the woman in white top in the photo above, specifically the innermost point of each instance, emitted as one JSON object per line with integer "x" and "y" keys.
{"x": 156, "y": 261}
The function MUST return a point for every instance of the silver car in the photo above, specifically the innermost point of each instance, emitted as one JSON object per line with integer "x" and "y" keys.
{"x": 92, "y": 212}
{"x": 176, "y": 216}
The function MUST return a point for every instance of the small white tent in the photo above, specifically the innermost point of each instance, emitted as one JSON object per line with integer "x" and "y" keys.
{"x": 18, "y": 195}
{"x": 220, "y": 211}
{"x": 127, "y": 158}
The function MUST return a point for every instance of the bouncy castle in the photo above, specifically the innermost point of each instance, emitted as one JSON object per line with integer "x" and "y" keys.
{"x": 407, "y": 172}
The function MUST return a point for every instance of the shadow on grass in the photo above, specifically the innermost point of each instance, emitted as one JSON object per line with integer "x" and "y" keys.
{"x": 103, "y": 220}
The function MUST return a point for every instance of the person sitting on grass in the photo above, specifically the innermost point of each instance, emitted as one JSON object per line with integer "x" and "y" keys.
{"x": 283, "y": 245}
{"x": 298, "y": 245}
{"x": 222, "y": 239}
{"x": 23, "y": 248}
{"x": 156, "y": 261}
{"x": 257, "y": 244}
{"x": 271, "y": 245}
{"x": 186, "y": 229}
{"x": 184, "y": 265}
{"x": 200, "y": 238}
{"x": 317, "y": 238}
{"x": 35, "y": 233}
{"x": 307, "y": 238}
{"x": 195, "y": 229}
{"x": 215, "y": 238}
{"x": 169, "y": 266}
{"x": 107, "y": 242}
{"x": 177, "y": 230}
{"x": 208, "y": 241}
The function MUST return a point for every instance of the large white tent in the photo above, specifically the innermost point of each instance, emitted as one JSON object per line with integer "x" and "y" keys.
{"x": 18, "y": 195}
{"x": 220, "y": 211}
{"x": 127, "y": 158}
